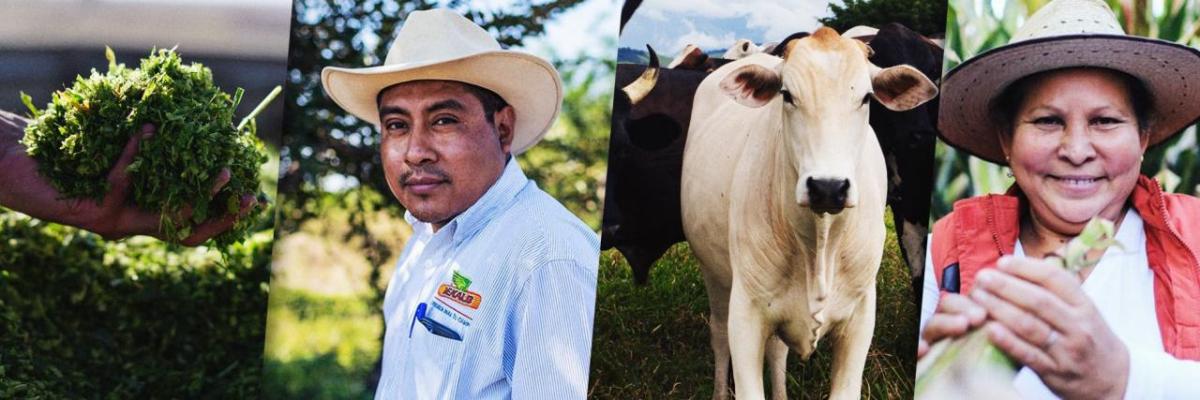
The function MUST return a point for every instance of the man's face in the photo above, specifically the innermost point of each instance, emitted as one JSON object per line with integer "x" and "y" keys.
{"x": 440, "y": 153}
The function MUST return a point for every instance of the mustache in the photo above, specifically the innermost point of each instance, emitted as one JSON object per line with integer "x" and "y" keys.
{"x": 426, "y": 171}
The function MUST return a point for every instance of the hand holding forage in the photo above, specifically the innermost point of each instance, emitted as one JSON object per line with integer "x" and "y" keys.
{"x": 115, "y": 216}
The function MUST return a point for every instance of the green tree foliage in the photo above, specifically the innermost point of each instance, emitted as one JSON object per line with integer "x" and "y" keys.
{"x": 924, "y": 16}
{"x": 84, "y": 318}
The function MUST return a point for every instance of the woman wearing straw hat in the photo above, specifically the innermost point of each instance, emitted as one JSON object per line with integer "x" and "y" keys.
{"x": 494, "y": 293}
{"x": 1070, "y": 105}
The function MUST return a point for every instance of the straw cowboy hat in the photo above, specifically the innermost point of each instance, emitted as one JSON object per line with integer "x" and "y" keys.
{"x": 442, "y": 45}
{"x": 1063, "y": 34}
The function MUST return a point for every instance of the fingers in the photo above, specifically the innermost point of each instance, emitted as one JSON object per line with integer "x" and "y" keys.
{"x": 1013, "y": 297}
{"x": 1046, "y": 274}
{"x": 1036, "y": 301}
{"x": 922, "y": 348}
{"x": 955, "y": 315}
{"x": 1028, "y": 327}
{"x": 958, "y": 304}
{"x": 222, "y": 179}
{"x": 1020, "y": 350}
{"x": 213, "y": 227}
{"x": 118, "y": 179}
{"x": 184, "y": 215}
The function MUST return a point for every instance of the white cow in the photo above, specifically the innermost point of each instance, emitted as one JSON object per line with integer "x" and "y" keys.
{"x": 742, "y": 48}
{"x": 783, "y": 194}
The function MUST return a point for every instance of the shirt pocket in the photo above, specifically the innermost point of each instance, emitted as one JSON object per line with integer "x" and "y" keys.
{"x": 437, "y": 355}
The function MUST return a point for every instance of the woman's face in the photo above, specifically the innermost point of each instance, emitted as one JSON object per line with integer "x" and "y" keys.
{"x": 1075, "y": 148}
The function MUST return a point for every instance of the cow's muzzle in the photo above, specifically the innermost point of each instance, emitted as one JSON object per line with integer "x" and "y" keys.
{"x": 827, "y": 195}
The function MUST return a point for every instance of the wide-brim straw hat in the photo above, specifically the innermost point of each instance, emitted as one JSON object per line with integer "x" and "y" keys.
{"x": 1065, "y": 34}
{"x": 439, "y": 44}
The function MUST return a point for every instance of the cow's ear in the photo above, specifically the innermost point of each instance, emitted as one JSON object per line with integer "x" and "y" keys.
{"x": 901, "y": 88}
{"x": 752, "y": 85}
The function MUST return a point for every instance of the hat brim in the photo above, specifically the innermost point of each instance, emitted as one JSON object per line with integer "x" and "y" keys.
{"x": 1171, "y": 73}
{"x": 528, "y": 83}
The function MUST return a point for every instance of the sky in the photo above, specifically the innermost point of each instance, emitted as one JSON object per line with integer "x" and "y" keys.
{"x": 670, "y": 25}
{"x": 584, "y": 28}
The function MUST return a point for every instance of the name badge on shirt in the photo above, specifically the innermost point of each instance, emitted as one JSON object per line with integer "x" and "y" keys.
{"x": 451, "y": 308}
{"x": 458, "y": 294}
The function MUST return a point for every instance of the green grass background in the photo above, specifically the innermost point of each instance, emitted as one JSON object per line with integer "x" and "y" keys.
{"x": 651, "y": 342}
{"x": 334, "y": 345}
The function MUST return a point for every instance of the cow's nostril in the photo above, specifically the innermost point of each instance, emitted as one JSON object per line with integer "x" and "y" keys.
{"x": 828, "y": 194}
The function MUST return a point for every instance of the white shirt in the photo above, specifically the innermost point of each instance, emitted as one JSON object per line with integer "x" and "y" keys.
{"x": 1122, "y": 288}
{"x": 514, "y": 279}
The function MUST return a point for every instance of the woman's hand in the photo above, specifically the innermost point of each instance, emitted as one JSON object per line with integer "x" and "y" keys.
{"x": 1039, "y": 315}
{"x": 955, "y": 316}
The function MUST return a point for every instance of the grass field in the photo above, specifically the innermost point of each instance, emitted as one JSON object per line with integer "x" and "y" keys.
{"x": 319, "y": 346}
{"x": 652, "y": 341}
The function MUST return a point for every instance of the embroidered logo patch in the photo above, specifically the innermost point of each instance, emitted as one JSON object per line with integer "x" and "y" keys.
{"x": 461, "y": 282}
{"x": 460, "y": 296}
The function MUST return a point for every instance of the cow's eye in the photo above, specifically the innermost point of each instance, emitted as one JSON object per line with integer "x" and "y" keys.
{"x": 787, "y": 96}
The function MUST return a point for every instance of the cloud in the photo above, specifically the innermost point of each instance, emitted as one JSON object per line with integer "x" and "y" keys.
{"x": 583, "y": 29}
{"x": 703, "y": 40}
{"x": 759, "y": 20}
{"x": 777, "y": 20}
{"x": 693, "y": 8}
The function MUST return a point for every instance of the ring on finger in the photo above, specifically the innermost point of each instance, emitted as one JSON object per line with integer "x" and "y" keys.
{"x": 1051, "y": 339}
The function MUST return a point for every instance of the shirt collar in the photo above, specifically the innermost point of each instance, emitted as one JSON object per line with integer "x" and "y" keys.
{"x": 1130, "y": 235}
{"x": 464, "y": 225}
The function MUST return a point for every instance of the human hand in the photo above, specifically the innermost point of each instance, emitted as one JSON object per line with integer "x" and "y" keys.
{"x": 1039, "y": 315}
{"x": 955, "y": 316}
{"x": 115, "y": 217}
{"x": 25, "y": 190}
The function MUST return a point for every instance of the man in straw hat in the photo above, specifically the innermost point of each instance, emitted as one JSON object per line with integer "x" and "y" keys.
{"x": 493, "y": 295}
{"x": 1070, "y": 105}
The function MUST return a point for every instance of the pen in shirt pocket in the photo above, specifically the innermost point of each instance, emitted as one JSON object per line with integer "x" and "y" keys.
{"x": 434, "y": 327}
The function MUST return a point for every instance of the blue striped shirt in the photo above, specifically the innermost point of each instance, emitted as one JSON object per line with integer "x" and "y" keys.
{"x": 505, "y": 293}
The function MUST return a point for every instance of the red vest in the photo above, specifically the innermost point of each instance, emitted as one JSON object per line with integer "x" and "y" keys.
{"x": 981, "y": 229}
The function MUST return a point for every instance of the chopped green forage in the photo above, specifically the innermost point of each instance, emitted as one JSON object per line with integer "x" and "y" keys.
{"x": 78, "y": 138}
